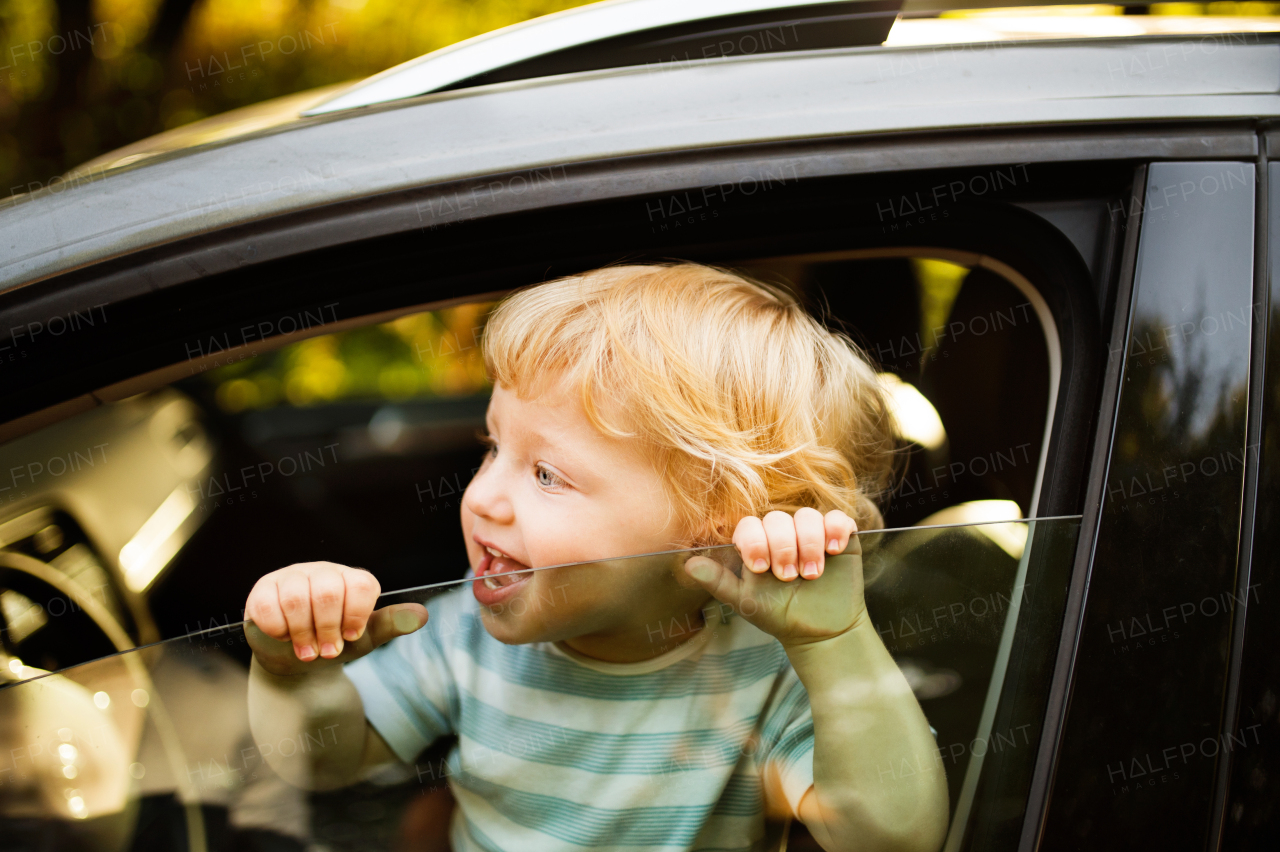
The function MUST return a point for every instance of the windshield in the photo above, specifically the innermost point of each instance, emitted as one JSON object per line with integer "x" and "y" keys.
{"x": 168, "y": 746}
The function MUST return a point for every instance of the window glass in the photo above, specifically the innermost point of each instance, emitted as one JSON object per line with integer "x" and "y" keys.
{"x": 1169, "y": 527}
{"x": 170, "y": 747}
{"x": 165, "y": 508}
{"x": 152, "y": 518}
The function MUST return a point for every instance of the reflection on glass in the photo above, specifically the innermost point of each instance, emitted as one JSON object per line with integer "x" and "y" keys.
{"x": 1169, "y": 526}
{"x": 488, "y": 730}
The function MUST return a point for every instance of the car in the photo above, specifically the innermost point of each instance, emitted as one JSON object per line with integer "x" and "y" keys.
{"x": 255, "y": 340}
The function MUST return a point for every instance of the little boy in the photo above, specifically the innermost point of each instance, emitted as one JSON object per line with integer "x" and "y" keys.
{"x": 636, "y": 409}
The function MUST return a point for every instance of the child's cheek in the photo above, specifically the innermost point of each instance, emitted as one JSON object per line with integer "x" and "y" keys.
{"x": 468, "y": 523}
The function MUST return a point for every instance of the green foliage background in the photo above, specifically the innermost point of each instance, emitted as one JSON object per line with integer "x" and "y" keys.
{"x": 79, "y": 78}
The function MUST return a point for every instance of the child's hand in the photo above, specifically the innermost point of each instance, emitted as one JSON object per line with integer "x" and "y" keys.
{"x": 792, "y": 546}
{"x": 315, "y": 613}
{"x": 786, "y": 602}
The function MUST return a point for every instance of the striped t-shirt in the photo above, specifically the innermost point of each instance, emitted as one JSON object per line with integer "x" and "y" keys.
{"x": 559, "y": 751}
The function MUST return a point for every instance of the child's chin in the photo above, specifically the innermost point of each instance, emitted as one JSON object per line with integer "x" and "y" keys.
{"x": 511, "y": 629}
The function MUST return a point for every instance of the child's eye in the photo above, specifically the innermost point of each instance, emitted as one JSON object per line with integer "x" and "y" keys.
{"x": 491, "y": 446}
{"x": 547, "y": 479}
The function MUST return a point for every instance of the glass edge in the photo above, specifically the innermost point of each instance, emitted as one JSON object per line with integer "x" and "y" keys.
{"x": 448, "y": 583}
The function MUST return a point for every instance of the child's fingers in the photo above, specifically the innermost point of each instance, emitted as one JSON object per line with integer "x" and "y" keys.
{"x": 362, "y": 595}
{"x": 328, "y": 595}
{"x": 780, "y": 529}
{"x": 752, "y": 544}
{"x": 839, "y": 526}
{"x": 809, "y": 542}
{"x": 263, "y": 609}
{"x": 397, "y": 620}
{"x": 717, "y": 580}
{"x": 274, "y": 654}
{"x": 295, "y": 601}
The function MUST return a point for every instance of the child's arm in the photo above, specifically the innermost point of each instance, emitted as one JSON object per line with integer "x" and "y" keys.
{"x": 877, "y": 782}
{"x": 304, "y": 622}
{"x": 876, "y": 773}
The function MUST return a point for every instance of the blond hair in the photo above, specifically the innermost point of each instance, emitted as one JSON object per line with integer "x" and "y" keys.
{"x": 747, "y": 403}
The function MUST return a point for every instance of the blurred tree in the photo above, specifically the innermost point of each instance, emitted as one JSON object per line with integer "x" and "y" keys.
{"x": 56, "y": 117}
{"x": 425, "y": 355}
{"x": 169, "y": 25}
{"x": 79, "y": 78}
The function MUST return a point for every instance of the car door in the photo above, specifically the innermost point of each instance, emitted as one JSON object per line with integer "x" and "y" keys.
{"x": 326, "y": 399}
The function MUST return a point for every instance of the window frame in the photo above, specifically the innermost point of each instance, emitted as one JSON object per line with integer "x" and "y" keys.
{"x": 1080, "y": 394}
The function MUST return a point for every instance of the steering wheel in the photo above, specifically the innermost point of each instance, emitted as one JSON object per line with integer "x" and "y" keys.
{"x": 78, "y": 759}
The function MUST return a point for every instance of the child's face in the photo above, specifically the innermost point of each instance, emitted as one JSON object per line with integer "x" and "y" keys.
{"x": 554, "y": 490}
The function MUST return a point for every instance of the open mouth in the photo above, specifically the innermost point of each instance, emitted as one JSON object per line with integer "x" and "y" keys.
{"x": 496, "y": 576}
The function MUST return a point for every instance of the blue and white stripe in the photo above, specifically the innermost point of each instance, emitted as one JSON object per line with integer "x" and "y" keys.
{"x": 685, "y": 752}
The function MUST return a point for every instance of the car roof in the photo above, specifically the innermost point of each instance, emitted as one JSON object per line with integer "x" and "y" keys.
{"x": 444, "y": 68}
{"x": 601, "y": 115}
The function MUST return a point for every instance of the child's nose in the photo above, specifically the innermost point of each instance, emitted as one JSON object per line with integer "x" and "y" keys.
{"x": 485, "y": 496}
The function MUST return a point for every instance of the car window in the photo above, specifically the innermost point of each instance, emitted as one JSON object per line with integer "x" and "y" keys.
{"x": 160, "y": 738}
{"x": 356, "y": 445}
{"x": 151, "y": 518}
